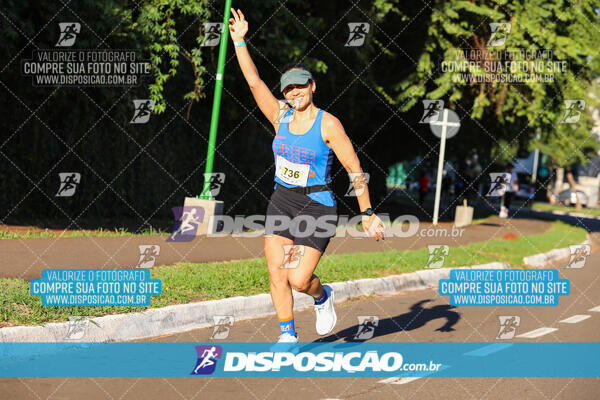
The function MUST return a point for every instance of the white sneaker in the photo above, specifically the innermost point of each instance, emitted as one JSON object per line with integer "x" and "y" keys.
{"x": 286, "y": 343}
{"x": 503, "y": 212}
{"x": 326, "y": 317}
{"x": 287, "y": 338}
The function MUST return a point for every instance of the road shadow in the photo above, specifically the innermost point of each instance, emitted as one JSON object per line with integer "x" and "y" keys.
{"x": 417, "y": 317}
{"x": 489, "y": 224}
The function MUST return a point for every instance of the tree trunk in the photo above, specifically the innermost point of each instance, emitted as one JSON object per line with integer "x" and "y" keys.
{"x": 571, "y": 180}
{"x": 553, "y": 184}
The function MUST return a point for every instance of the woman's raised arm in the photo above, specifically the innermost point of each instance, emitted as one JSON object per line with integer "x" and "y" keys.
{"x": 268, "y": 104}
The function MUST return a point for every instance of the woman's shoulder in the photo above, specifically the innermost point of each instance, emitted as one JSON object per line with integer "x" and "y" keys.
{"x": 331, "y": 127}
{"x": 330, "y": 121}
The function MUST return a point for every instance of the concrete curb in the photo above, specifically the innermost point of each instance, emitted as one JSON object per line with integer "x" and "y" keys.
{"x": 551, "y": 257}
{"x": 548, "y": 258}
{"x": 186, "y": 317}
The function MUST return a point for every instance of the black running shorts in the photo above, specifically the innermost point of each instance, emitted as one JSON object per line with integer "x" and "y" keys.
{"x": 310, "y": 224}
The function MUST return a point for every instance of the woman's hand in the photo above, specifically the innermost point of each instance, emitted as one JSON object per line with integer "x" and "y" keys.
{"x": 373, "y": 226}
{"x": 238, "y": 26}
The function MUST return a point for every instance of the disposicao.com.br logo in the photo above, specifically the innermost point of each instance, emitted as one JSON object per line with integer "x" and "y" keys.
{"x": 323, "y": 363}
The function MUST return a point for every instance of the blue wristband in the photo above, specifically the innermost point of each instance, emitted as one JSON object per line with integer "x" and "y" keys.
{"x": 239, "y": 44}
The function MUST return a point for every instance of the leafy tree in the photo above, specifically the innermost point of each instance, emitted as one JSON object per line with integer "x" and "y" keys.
{"x": 160, "y": 23}
{"x": 141, "y": 172}
{"x": 513, "y": 112}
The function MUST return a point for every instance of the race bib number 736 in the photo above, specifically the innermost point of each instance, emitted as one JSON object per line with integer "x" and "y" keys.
{"x": 292, "y": 173}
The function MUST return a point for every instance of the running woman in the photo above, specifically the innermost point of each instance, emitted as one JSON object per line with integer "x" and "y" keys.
{"x": 306, "y": 138}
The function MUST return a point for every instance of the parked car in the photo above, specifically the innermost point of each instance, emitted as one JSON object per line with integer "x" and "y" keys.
{"x": 567, "y": 197}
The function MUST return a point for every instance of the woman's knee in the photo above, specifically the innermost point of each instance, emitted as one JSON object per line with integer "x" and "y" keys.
{"x": 300, "y": 283}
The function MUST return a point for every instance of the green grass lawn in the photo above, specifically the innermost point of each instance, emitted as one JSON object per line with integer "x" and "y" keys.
{"x": 549, "y": 207}
{"x": 188, "y": 282}
{"x": 37, "y": 234}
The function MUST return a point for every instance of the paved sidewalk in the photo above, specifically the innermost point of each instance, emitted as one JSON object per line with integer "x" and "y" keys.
{"x": 25, "y": 258}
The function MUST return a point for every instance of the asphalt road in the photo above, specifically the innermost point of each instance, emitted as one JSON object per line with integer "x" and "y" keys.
{"x": 410, "y": 317}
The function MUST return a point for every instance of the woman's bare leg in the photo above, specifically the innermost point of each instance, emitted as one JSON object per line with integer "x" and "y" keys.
{"x": 281, "y": 292}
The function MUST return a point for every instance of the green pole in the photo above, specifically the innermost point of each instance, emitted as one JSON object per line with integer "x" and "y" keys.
{"x": 214, "y": 119}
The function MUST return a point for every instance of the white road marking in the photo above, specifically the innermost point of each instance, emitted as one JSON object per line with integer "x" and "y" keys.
{"x": 537, "y": 333}
{"x": 394, "y": 380}
{"x": 595, "y": 309}
{"x": 486, "y": 350}
{"x": 575, "y": 319}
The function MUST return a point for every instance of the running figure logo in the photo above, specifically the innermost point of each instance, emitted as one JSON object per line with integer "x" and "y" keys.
{"x": 573, "y": 111}
{"x": 68, "y": 183}
{"x": 366, "y": 326}
{"x": 148, "y": 254}
{"x": 500, "y": 31}
{"x": 223, "y": 324}
{"x": 212, "y": 34}
{"x": 77, "y": 327}
{"x": 508, "y": 326}
{"x": 499, "y": 184}
{"x": 186, "y": 223}
{"x": 579, "y": 254}
{"x": 68, "y": 33}
{"x": 282, "y": 118}
{"x": 216, "y": 180}
{"x": 207, "y": 359}
{"x": 437, "y": 255}
{"x": 358, "y": 33}
{"x": 358, "y": 182}
{"x": 292, "y": 254}
{"x": 432, "y": 111}
{"x": 142, "y": 111}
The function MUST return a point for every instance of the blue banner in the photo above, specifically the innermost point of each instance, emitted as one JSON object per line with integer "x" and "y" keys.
{"x": 302, "y": 360}
{"x": 504, "y": 287}
{"x": 95, "y": 287}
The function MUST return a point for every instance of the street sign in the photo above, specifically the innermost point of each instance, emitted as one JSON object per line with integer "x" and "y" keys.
{"x": 446, "y": 127}
{"x": 448, "y": 120}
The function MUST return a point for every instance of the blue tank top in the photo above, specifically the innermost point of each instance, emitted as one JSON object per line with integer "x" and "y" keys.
{"x": 303, "y": 157}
